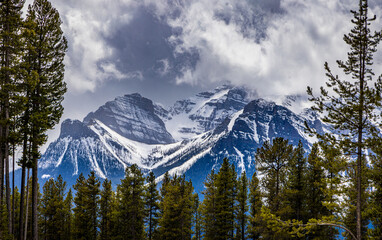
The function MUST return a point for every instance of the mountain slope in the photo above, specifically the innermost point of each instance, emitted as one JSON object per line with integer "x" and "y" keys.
{"x": 223, "y": 125}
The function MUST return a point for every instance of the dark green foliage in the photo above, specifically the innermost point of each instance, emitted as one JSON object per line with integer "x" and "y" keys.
{"x": 242, "y": 207}
{"x": 272, "y": 161}
{"x": 225, "y": 201}
{"x": 296, "y": 191}
{"x": 130, "y": 209}
{"x": 208, "y": 207}
{"x": 105, "y": 206}
{"x": 52, "y": 214}
{"x": 45, "y": 48}
{"x": 10, "y": 51}
{"x": 350, "y": 109}
{"x": 197, "y": 219}
{"x": 151, "y": 206}
{"x": 255, "y": 204}
{"x": 176, "y": 209}
{"x": 315, "y": 196}
{"x": 85, "y": 220}
{"x": 68, "y": 216}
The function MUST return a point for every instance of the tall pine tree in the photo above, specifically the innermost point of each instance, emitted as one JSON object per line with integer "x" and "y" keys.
{"x": 208, "y": 207}
{"x": 242, "y": 207}
{"x": 10, "y": 50}
{"x": 350, "y": 110}
{"x": 225, "y": 200}
{"x": 52, "y": 209}
{"x": 131, "y": 205}
{"x": 254, "y": 229}
{"x": 272, "y": 161}
{"x": 296, "y": 191}
{"x": 46, "y": 56}
{"x": 151, "y": 206}
{"x": 106, "y": 204}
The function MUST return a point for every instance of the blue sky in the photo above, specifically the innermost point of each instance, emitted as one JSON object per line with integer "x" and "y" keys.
{"x": 170, "y": 49}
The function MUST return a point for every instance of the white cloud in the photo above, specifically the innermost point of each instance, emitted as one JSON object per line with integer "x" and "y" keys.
{"x": 86, "y": 23}
{"x": 291, "y": 57}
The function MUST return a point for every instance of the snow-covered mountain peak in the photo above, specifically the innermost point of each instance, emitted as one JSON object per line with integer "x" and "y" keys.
{"x": 205, "y": 111}
{"x": 133, "y": 117}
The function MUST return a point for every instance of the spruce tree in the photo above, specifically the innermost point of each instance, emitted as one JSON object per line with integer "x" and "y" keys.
{"x": 176, "y": 218}
{"x": 315, "y": 193}
{"x": 91, "y": 201}
{"x": 350, "y": 109}
{"x": 272, "y": 161}
{"x": 81, "y": 217}
{"x": 208, "y": 207}
{"x": 254, "y": 229}
{"x": 197, "y": 219}
{"x": 242, "y": 208}
{"x": 296, "y": 191}
{"x": 106, "y": 203}
{"x": 131, "y": 204}
{"x": 151, "y": 206}
{"x": 68, "y": 216}
{"x": 225, "y": 201}
{"x": 52, "y": 209}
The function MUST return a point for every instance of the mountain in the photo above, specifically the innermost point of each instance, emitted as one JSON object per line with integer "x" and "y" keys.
{"x": 191, "y": 137}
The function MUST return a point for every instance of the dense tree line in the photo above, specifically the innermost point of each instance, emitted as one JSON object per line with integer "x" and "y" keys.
{"x": 292, "y": 195}
{"x": 32, "y": 50}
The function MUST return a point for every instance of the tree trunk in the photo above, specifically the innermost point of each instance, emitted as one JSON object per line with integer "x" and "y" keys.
{"x": 34, "y": 201}
{"x": 26, "y": 210}
{"x": 22, "y": 193}
{"x": 13, "y": 190}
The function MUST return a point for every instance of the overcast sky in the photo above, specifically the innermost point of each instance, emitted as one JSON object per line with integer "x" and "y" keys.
{"x": 170, "y": 49}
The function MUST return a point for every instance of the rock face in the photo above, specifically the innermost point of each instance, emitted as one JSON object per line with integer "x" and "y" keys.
{"x": 191, "y": 137}
{"x": 133, "y": 117}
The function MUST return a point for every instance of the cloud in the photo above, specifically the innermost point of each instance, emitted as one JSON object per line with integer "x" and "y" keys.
{"x": 297, "y": 41}
{"x": 275, "y": 46}
{"x": 86, "y": 23}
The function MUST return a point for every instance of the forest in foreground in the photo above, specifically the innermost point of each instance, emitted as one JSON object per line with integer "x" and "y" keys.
{"x": 293, "y": 195}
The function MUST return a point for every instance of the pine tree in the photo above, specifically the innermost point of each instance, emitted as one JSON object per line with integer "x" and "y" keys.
{"x": 106, "y": 203}
{"x": 350, "y": 111}
{"x": 315, "y": 195}
{"x": 208, "y": 208}
{"x": 296, "y": 192}
{"x": 67, "y": 228}
{"x": 242, "y": 199}
{"x": 272, "y": 161}
{"x": 176, "y": 207}
{"x": 151, "y": 206}
{"x": 254, "y": 229}
{"x": 81, "y": 217}
{"x": 46, "y": 56}
{"x": 197, "y": 219}
{"x": 10, "y": 49}
{"x": 52, "y": 209}
{"x": 92, "y": 199}
{"x": 131, "y": 204}
{"x": 225, "y": 201}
